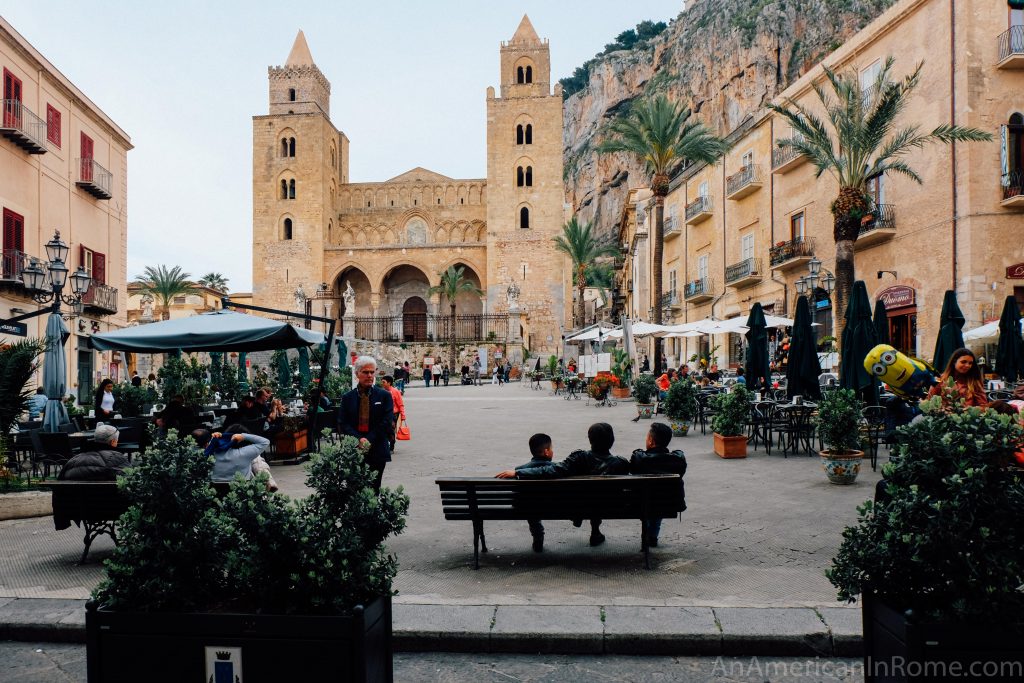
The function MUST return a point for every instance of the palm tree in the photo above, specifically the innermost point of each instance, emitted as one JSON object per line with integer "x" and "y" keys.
{"x": 452, "y": 284}
{"x": 656, "y": 131}
{"x": 215, "y": 281}
{"x": 582, "y": 246}
{"x": 857, "y": 142}
{"x": 163, "y": 284}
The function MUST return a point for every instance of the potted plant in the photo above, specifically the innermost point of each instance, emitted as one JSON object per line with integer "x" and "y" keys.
{"x": 622, "y": 370}
{"x": 552, "y": 369}
{"x": 936, "y": 558}
{"x": 840, "y": 414}
{"x": 681, "y": 405}
{"x": 730, "y": 421}
{"x": 130, "y": 399}
{"x": 601, "y": 384}
{"x": 293, "y": 438}
{"x": 644, "y": 390}
{"x": 254, "y": 580}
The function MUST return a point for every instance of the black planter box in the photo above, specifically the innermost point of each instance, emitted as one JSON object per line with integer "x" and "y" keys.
{"x": 897, "y": 650}
{"x": 156, "y": 647}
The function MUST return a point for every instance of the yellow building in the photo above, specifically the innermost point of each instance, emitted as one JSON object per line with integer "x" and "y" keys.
{"x": 754, "y": 220}
{"x": 389, "y": 241}
{"x": 63, "y": 167}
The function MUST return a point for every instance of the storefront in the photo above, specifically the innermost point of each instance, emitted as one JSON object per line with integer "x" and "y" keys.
{"x": 901, "y": 308}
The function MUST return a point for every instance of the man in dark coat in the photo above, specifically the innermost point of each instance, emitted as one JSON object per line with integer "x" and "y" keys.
{"x": 597, "y": 461}
{"x": 366, "y": 413}
{"x": 657, "y": 459}
{"x": 100, "y": 463}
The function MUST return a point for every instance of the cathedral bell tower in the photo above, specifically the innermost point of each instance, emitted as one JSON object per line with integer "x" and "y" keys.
{"x": 299, "y": 160}
{"x": 525, "y": 195}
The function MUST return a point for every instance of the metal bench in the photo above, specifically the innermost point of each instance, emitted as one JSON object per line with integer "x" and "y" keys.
{"x": 638, "y": 497}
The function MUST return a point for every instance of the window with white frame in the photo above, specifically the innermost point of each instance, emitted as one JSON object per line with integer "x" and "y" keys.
{"x": 702, "y": 267}
{"x": 672, "y": 282}
{"x": 869, "y": 75}
{"x": 747, "y": 246}
{"x": 703, "y": 189}
{"x": 747, "y": 160}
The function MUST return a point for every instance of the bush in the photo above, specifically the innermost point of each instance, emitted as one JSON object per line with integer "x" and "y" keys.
{"x": 130, "y": 399}
{"x": 681, "y": 401}
{"x": 839, "y": 416}
{"x": 184, "y": 377}
{"x": 622, "y": 366}
{"x": 732, "y": 411}
{"x": 945, "y": 540}
{"x": 644, "y": 388}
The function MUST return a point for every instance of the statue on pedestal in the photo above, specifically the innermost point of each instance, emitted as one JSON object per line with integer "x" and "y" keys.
{"x": 349, "y": 296}
{"x": 512, "y": 295}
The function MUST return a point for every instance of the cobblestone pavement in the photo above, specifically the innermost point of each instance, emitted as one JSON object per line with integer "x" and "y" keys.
{"x": 758, "y": 532}
{"x": 49, "y": 663}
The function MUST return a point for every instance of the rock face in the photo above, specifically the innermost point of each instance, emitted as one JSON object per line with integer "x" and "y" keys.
{"x": 724, "y": 59}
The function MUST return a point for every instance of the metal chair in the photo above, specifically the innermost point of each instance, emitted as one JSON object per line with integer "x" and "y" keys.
{"x": 760, "y": 424}
{"x": 873, "y": 431}
{"x": 796, "y": 430}
{"x": 52, "y": 449}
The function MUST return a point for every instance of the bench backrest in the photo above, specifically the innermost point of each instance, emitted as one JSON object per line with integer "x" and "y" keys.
{"x": 619, "y": 497}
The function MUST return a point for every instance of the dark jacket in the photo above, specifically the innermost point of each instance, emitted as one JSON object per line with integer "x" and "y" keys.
{"x": 535, "y": 462}
{"x": 660, "y": 461}
{"x": 176, "y": 415}
{"x": 382, "y": 423}
{"x": 99, "y": 465}
{"x": 579, "y": 463}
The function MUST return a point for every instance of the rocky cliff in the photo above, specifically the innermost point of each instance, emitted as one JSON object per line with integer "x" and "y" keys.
{"x": 724, "y": 59}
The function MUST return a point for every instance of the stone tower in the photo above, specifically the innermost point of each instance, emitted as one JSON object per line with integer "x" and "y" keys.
{"x": 299, "y": 161}
{"x": 525, "y": 196}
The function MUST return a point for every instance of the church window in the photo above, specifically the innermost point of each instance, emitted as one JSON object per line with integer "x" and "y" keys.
{"x": 291, "y": 94}
{"x": 519, "y": 134}
{"x": 529, "y": 176}
{"x": 438, "y": 200}
{"x": 520, "y": 75}
{"x": 287, "y": 228}
{"x": 291, "y": 189}
{"x": 462, "y": 200}
{"x": 520, "y": 177}
{"x": 524, "y": 218}
{"x": 529, "y": 74}
{"x": 291, "y": 147}
{"x": 284, "y": 189}
{"x": 284, "y": 147}
{"x": 529, "y": 133}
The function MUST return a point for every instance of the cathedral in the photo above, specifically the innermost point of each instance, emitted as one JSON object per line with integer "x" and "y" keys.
{"x": 372, "y": 251}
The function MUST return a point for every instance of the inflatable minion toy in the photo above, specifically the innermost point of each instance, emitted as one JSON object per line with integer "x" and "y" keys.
{"x": 907, "y": 377}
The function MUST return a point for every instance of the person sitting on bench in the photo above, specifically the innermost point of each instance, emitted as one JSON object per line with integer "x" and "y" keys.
{"x": 597, "y": 461}
{"x": 235, "y": 452}
{"x": 541, "y": 452}
{"x": 101, "y": 462}
{"x": 657, "y": 459}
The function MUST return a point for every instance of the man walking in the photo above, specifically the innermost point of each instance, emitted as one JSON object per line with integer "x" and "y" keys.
{"x": 367, "y": 413}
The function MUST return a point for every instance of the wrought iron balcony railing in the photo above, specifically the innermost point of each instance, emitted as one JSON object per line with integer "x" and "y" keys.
{"x": 94, "y": 179}
{"x": 671, "y": 227}
{"x": 669, "y": 299}
{"x": 701, "y": 206}
{"x": 13, "y": 263}
{"x": 1011, "y": 44}
{"x": 701, "y": 287}
{"x": 884, "y": 218}
{"x": 1013, "y": 188}
{"x": 744, "y": 182}
{"x": 798, "y": 248}
{"x": 747, "y": 268}
{"x": 784, "y": 157}
{"x": 101, "y": 297}
{"x": 19, "y": 124}
{"x": 423, "y": 327}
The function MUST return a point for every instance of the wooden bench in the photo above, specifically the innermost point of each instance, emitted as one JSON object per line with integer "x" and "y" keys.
{"x": 95, "y": 506}
{"x": 639, "y": 497}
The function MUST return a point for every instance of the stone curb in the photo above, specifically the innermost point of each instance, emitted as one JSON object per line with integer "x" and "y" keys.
{"x": 547, "y": 629}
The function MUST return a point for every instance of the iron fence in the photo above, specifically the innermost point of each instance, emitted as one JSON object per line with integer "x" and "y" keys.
{"x": 1011, "y": 42}
{"x": 423, "y": 327}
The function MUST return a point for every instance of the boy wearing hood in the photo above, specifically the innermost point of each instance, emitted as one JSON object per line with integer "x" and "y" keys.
{"x": 657, "y": 459}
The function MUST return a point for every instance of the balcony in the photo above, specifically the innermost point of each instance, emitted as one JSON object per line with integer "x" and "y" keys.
{"x": 22, "y": 127}
{"x": 670, "y": 300}
{"x": 701, "y": 289}
{"x": 698, "y": 210}
{"x": 1013, "y": 189}
{"x": 11, "y": 266}
{"x": 880, "y": 228}
{"x": 747, "y": 181}
{"x": 94, "y": 179}
{"x": 102, "y": 298}
{"x": 791, "y": 254}
{"x": 785, "y": 159}
{"x": 746, "y": 272}
{"x": 672, "y": 228}
{"x": 1011, "y": 49}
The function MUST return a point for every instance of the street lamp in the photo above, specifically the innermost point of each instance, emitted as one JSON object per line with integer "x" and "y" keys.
{"x": 47, "y": 286}
{"x": 303, "y": 303}
{"x": 801, "y": 286}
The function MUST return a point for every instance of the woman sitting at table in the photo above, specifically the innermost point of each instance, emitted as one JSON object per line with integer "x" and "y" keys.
{"x": 104, "y": 404}
{"x": 275, "y": 419}
{"x": 965, "y": 374}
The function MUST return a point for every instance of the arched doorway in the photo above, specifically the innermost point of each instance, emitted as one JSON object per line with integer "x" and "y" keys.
{"x": 414, "y": 319}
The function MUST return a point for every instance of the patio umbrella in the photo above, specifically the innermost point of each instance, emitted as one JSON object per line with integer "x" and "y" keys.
{"x": 284, "y": 374}
{"x": 859, "y": 337}
{"x": 951, "y": 336}
{"x": 55, "y": 368}
{"x": 243, "y": 376}
{"x": 803, "y": 367}
{"x": 1010, "y": 352}
{"x": 342, "y": 354}
{"x": 758, "y": 367}
{"x": 304, "y": 375}
{"x": 881, "y": 321}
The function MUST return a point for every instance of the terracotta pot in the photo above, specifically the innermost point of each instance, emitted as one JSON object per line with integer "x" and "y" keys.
{"x": 620, "y": 392}
{"x": 679, "y": 427}
{"x": 841, "y": 468}
{"x": 646, "y": 410}
{"x": 730, "y": 446}
{"x": 291, "y": 443}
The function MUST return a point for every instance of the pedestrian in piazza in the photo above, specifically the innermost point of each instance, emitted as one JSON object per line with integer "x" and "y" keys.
{"x": 445, "y": 374}
{"x": 367, "y": 413}
{"x": 426, "y": 375}
{"x": 437, "y": 373}
{"x": 508, "y": 370}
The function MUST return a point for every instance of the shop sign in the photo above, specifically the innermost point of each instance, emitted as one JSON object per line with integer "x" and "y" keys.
{"x": 1015, "y": 272}
{"x": 15, "y": 329}
{"x": 899, "y": 296}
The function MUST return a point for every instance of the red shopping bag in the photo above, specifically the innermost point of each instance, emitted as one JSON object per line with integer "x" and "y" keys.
{"x": 402, "y": 433}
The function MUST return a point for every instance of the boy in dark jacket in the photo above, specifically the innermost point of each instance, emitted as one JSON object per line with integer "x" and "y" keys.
{"x": 597, "y": 461}
{"x": 657, "y": 459}
{"x": 541, "y": 452}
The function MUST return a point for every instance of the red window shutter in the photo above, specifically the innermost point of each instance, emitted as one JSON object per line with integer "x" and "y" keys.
{"x": 99, "y": 268}
{"x": 53, "y": 125}
{"x": 14, "y": 230}
{"x": 86, "y": 146}
{"x": 85, "y": 166}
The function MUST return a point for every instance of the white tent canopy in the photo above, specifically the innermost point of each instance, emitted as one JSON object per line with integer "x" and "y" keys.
{"x": 640, "y": 329}
{"x": 592, "y": 333}
{"x": 985, "y": 333}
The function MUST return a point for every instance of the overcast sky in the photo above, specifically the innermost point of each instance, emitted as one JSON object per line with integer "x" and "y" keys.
{"x": 408, "y": 87}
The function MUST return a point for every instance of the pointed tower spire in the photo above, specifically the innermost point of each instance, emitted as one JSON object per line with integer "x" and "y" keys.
{"x": 300, "y": 55}
{"x": 525, "y": 35}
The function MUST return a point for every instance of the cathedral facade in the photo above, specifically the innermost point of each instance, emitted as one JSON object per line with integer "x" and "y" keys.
{"x": 390, "y": 241}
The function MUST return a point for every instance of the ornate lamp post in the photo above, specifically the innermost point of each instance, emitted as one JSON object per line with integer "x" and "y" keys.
{"x": 47, "y": 286}
{"x": 303, "y": 303}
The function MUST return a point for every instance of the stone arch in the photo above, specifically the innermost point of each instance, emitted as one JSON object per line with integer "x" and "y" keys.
{"x": 481, "y": 231}
{"x": 345, "y": 235}
{"x": 465, "y": 303}
{"x": 524, "y": 216}
{"x": 440, "y": 235}
{"x": 286, "y": 142}
{"x": 450, "y": 195}
{"x": 523, "y": 71}
{"x": 287, "y": 226}
{"x": 467, "y": 232}
{"x": 380, "y": 197}
{"x": 401, "y": 280}
{"x": 352, "y": 272}
{"x": 474, "y": 194}
{"x": 345, "y": 199}
{"x": 360, "y": 238}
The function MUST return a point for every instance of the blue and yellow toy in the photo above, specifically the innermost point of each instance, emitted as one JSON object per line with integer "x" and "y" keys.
{"x": 908, "y": 378}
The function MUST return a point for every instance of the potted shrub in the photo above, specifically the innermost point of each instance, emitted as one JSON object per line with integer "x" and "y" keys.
{"x": 131, "y": 399}
{"x": 839, "y": 418}
{"x": 730, "y": 422}
{"x": 254, "y": 580}
{"x": 622, "y": 370}
{"x": 601, "y": 384}
{"x": 644, "y": 391}
{"x": 552, "y": 370}
{"x": 293, "y": 438}
{"x": 681, "y": 405}
{"x": 936, "y": 559}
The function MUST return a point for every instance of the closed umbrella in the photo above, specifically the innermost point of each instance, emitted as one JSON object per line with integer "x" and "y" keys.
{"x": 1010, "y": 352}
{"x": 859, "y": 337}
{"x": 881, "y": 321}
{"x": 758, "y": 369}
{"x": 951, "y": 336}
{"x": 243, "y": 376}
{"x": 55, "y": 370}
{"x": 284, "y": 374}
{"x": 304, "y": 374}
{"x": 803, "y": 368}
{"x": 216, "y": 358}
